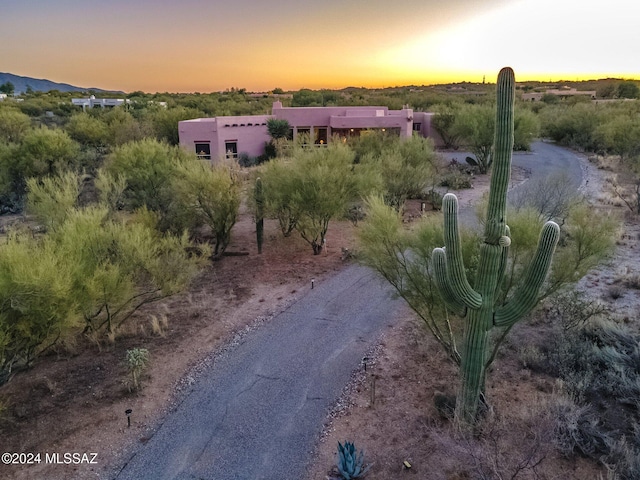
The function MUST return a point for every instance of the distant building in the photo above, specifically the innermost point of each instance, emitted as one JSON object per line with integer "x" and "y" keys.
{"x": 218, "y": 137}
{"x": 561, "y": 92}
{"x": 2, "y": 96}
{"x": 92, "y": 101}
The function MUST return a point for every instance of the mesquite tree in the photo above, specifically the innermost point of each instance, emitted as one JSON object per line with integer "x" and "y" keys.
{"x": 481, "y": 304}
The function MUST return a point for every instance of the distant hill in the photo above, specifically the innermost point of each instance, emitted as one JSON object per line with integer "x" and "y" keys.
{"x": 42, "y": 85}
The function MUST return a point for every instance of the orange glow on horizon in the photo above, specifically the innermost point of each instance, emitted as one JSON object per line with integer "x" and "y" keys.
{"x": 416, "y": 42}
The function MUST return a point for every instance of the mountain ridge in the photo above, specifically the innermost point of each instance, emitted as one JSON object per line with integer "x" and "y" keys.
{"x": 21, "y": 83}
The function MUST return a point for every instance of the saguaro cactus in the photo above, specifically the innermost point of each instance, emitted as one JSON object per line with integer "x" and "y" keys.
{"x": 259, "y": 197}
{"x": 479, "y": 304}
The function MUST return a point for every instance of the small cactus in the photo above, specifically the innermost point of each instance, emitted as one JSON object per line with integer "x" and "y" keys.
{"x": 137, "y": 360}
{"x": 350, "y": 463}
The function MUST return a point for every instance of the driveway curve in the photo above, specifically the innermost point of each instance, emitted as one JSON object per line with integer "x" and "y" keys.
{"x": 256, "y": 412}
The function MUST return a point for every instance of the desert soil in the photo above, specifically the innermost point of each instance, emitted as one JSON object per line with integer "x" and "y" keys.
{"x": 74, "y": 400}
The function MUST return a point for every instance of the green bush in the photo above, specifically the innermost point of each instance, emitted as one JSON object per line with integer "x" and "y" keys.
{"x": 91, "y": 271}
{"x": 150, "y": 168}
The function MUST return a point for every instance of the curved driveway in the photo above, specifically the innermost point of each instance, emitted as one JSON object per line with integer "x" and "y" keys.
{"x": 256, "y": 413}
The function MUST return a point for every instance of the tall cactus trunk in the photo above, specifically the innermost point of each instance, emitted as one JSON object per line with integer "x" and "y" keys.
{"x": 482, "y": 312}
{"x": 479, "y": 321}
{"x": 476, "y": 335}
{"x": 472, "y": 369}
{"x": 259, "y": 197}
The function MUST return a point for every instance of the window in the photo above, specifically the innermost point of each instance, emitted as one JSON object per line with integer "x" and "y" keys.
{"x": 203, "y": 150}
{"x": 231, "y": 148}
{"x": 321, "y": 136}
{"x": 417, "y": 127}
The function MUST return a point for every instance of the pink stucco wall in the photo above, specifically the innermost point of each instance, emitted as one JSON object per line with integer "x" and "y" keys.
{"x": 250, "y": 132}
{"x": 346, "y": 117}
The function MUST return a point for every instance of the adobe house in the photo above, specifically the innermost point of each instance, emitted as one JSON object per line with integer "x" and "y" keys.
{"x": 218, "y": 137}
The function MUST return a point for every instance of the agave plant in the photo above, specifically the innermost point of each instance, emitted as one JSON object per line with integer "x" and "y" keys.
{"x": 350, "y": 463}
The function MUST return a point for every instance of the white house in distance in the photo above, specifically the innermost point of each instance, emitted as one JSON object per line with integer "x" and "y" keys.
{"x": 562, "y": 93}
{"x": 92, "y": 101}
{"x": 218, "y": 137}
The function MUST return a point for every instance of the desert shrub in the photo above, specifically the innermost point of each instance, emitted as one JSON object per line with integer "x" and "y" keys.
{"x": 623, "y": 460}
{"x": 577, "y": 429}
{"x": 13, "y": 125}
{"x": 245, "y": 160}
{"x": 572, "y": 125}
{"x": 615, "y": 292}
{"x": 45, "y": 151}
{"x": 148, "y": 167}
{"x": 632, "y": 281}
{"x": 123, "y": 127}
{"x": 435, "y": 198}
{"x": 164, "y": 122}
{"x": 456, "y": 180}
{"x": 52, "y": 198}
{"x": 279, "y": 189}
{"x": 37, "y": 305}
{"x": 598, "y": 363}
{"x": 41, "y": 152}
{"x": 551, "y": 196}
{"x": 572, "y": 309}
{"x": 88, "y": 130}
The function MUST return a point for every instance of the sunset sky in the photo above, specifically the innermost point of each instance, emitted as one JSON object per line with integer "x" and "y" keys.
{"x": 211, "y": 45}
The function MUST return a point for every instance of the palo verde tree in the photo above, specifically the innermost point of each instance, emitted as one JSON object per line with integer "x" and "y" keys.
{"x": 117, "y": 265}
{"x": 475, "y": 126}
{"x": 211, "y": 195}
{"x": 508, "y": 278}
{"x": 325, "y": 183}
{"x": 443, "y": 122}
{"x": 149, "y": 168}
{"x": 309, "y": 190}
{"x": 406, "y": 167}
{"x": 90, "y": 271}
{"x": 278, "y": 189}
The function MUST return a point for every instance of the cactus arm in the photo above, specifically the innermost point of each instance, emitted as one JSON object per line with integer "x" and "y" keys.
{"x": 526, "y": 296}
{"x": 457, "y": 277}
{"x": 439, "y": 260}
